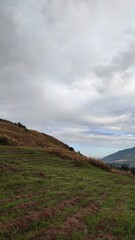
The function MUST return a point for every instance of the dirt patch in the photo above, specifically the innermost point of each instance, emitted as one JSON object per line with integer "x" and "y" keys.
{"x": 25, "y": 221}
{"x": 9, "y": 168}
{"x": 27, "y": 205}
{"x": 22, "y": 196}
{"x": 90, "y": 238}
{"x": 104, "y": 196}
{"x": 72, "y": 223}
{"x": 75, "y": 222}
{"x": 19, "y": 197}
{"x": 39, "y": 174}
{"x": 69, "y": 202}
{"x": 104, "y": 230}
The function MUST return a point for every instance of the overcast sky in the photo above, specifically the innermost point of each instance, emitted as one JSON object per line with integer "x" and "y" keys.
{"x": 67, "y": 68}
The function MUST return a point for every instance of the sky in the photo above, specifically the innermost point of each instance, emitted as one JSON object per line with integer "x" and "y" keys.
{"x": 67, "y": 69}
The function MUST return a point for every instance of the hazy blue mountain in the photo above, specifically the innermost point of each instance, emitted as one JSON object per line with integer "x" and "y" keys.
{"x": 126, "y": 156}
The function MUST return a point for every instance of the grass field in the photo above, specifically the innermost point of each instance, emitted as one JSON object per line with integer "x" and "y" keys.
{"x": 45, "y": 197}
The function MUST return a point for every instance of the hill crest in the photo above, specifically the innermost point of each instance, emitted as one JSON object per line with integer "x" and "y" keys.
{"x": 17, "y": 135}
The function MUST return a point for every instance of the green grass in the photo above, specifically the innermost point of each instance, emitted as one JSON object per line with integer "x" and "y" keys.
{"x": 45, "y": 197}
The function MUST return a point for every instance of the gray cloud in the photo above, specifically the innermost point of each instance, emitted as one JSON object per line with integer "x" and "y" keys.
{"x": 118, "y": 73}
{"x": 67, "y": 67}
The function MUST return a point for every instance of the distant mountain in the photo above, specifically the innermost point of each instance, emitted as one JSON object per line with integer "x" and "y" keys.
{"x": 126, "y": 156}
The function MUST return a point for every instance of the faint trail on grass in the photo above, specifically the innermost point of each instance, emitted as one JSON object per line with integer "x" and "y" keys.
{"x": 25, "y": 196}
{"x": 72, "y": 223}
{"x": 29, "y": 204}
{"x": 25, "y": 221}
{"x": 9, "y": 168}
{"x": 104, "y": 230}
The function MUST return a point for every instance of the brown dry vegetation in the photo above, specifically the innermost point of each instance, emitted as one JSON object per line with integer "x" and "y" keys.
{"x": 72, "y": 223}
{"x": 21, "y": 136}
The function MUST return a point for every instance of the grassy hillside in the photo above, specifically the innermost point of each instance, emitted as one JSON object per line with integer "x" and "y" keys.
{"x": 16, "y": 134}
{"x": 43, "y": 196}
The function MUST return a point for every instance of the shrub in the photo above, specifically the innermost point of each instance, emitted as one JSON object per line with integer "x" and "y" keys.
{"x": 21, "y": 125}
{"x": 4, "y": 140}
{"x": 100, "y": 164}
{"x": 71, "y": 149}
{"x": 132, "y": 170}
{"x": 124, "y": 167}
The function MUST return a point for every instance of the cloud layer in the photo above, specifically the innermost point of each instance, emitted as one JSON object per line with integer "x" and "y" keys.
{"x": 67, "y": 68}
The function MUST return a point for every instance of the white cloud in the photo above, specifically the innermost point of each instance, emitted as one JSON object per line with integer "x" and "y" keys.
{"x": 69, "y": 65}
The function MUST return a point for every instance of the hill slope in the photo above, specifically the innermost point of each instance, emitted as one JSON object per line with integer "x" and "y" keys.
{"x": 45, "y": 197}
{"x": 126, "y": 156}
{"x": 16, "y": 134}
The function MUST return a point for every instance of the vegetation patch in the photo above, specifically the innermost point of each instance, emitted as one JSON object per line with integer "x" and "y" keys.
{"x": 44, "y": 196}
{"x": 4, "y": 141}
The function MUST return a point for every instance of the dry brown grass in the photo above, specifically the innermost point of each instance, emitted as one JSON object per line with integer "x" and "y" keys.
{"x": 124, "y": 173}
{"x": 25, "y": 221}
{"x": 7, "y": 167}
{"x": 72, "y": 223}
{"x": 18, "y": 136}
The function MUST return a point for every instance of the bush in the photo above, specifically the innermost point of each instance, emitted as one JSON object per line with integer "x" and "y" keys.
{"x": 21, "y": 125}
{"x": 132, "y": 170}
{"x": 4, "y": 141}
{"x": 99, "y": 164}
{"x": 71, "y": 149}
{"x": 124, "y": 167}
